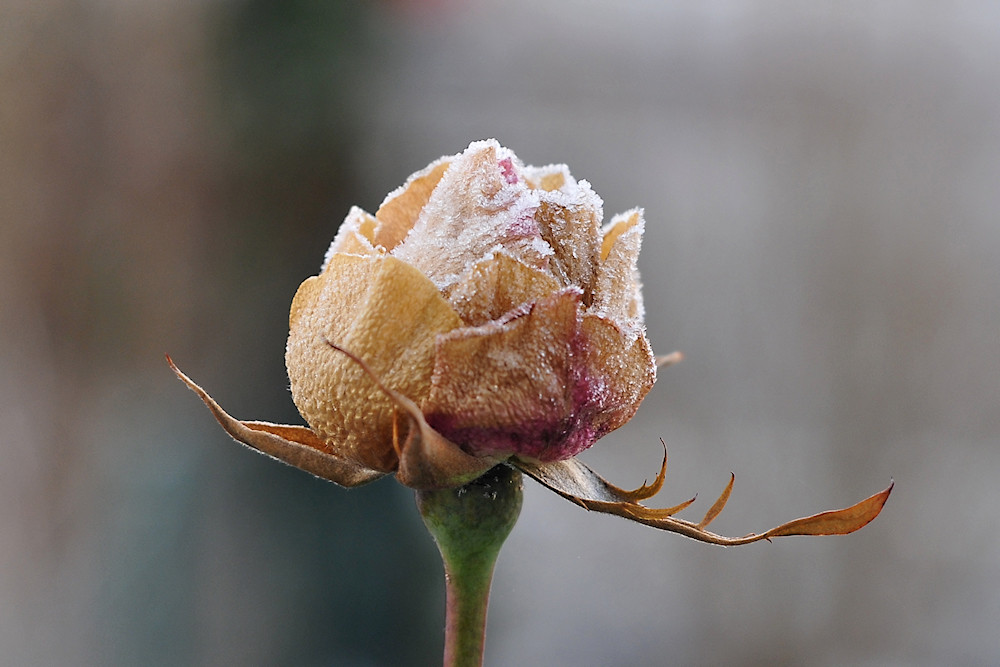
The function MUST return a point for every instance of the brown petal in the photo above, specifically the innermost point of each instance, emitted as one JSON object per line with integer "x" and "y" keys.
{"x": 477, "y": 206}
{"x": 581, "y": 485}
{"x": 402, "y": 207}
{"x": 497, "y": 285}
{"x": 549, "y": 178}
{"x": 509, "y": 385}
{"x": 626, "y": 369}
{"x": 427, "y": 460}
{"x": 356, "y": 235}
{"x": 569, "y": 218}
{"x": 295, "y": 445}
{"x": 617, "y": 291}
{"x": 382, "y": 309}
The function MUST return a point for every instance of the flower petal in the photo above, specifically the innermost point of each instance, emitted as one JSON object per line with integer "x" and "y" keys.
{"x": 427, "y": 460}
{"x": 622, "y": 371}
{"x": 402, "y": 206}
{"x": 543, "y": 383}
{"x": 569, "y": 218}
{"x": 383, "y": 310}
{"x": 356, "y": 236}
{"x": 295, "y": 445}
{"x": 480, "y": 204}
{"x": 576, "y": 482}
{"x": 617, "y": 290}
{"x": 497, "y": 285}
{"x": 514, "y": 385}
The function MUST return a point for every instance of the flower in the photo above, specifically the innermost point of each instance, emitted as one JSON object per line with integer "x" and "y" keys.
{"x": 482, "y": 316}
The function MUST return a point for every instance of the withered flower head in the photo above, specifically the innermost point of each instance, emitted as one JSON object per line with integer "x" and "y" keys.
{"x": 483, "y": 315}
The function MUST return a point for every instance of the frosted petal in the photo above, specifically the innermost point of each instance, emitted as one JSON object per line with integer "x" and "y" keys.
{"x": 401, "y": 207}
{"x": 386, "y": 313}
{"x": 569, "y": 219}
{"x": 480, "y": 203}
{"x": 621, "y": 370}
{"x": 497, "y": 285}
{"x": 510, "y": 386}
{"x": 547, "y": 178}
{"x": 617, "y": 290}
{"x": 355, "y": 237}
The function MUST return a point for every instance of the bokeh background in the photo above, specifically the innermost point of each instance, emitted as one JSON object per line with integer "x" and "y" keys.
{"x": 820, "y": 183}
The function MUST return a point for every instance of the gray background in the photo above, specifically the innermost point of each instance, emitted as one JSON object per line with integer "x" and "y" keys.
{"x": 819, "y": 181}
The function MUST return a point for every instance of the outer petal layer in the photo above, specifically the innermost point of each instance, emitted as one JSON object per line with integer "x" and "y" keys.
{"x": 622, "y": 371}
{"x": 542, "y": 383}
{"x": 386, "y": 313}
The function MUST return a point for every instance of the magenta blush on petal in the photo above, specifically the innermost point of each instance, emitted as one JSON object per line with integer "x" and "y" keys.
{"x": 507, "y": 167}
{"x": 542, "y": 440}
{"x": 525, "y": 417}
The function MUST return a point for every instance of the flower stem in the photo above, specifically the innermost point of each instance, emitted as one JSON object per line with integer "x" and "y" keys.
{"x": 470, "y": 524}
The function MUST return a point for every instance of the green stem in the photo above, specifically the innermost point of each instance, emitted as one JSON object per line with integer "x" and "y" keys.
{"x": 470, "y": 524}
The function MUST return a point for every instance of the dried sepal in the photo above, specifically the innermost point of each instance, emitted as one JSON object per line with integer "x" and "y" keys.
{"x": 646, "y": 490}
{"x": 719, "y": 504}
{"x": 665, "y": 360}
{"x": 576, "y": 482}
{"x": 297, "y": 446}
{"x": 427, "y": 460}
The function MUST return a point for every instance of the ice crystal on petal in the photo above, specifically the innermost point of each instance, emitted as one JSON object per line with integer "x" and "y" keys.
{"x": 356, "y": 236}
{"x": 472, "y": 210}
{"x": 617, "y": 290}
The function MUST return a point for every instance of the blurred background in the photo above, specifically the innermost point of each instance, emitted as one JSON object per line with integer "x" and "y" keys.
{"x": 820, "y": 186}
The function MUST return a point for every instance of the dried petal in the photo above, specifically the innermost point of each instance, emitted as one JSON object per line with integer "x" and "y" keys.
{"x": 511, "y": 385}
{"x": 398, "y": 213}
{"x": 295, "y": 445}
{"x": 479, "y": 205}
{"x": 356, "y": 236}
{"x": 620, "y": 372}
{"x": 581, "y": 485}
{"x": 427, "y": 460}
{"x": 383, "y": 310}
{"x": 548, "y": 178}
{"x": 569, "y": 219}
{"x": 497, "y": 285}
{"x": 617, "y": 291}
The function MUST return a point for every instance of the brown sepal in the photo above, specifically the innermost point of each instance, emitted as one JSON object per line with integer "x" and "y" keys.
{"x": 665, "y": 360}
{"x": 295, "y": 445}
{"x": 576, "y": 482}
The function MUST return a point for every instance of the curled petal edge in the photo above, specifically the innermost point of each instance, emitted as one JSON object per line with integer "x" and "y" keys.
{"x": 297, "y": 446}
{"x": 574, "y": 481}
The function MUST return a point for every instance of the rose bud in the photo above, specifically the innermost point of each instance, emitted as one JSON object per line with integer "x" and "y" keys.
{"x": 483, "y": 315}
